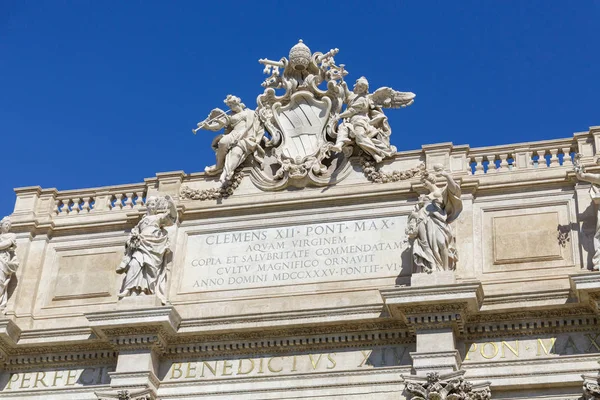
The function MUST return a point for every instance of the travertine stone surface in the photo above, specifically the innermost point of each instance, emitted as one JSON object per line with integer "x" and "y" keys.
{"x": 294, "y": 278}
{"x": 9, "y": 262}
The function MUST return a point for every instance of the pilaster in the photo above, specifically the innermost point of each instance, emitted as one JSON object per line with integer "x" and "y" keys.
{"x": 26, "y": 203}
{"x": 435, "y": 308}
{"x": 138, "y": 329}
{"x": 438, "y": 153}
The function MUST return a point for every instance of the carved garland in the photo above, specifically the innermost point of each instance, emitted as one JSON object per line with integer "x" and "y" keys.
{"x": 374, "y": 174}
{"x": 222, "y": 192}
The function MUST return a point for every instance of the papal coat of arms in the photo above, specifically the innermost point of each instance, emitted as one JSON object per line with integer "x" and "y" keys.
{"x": 306, "y": 126}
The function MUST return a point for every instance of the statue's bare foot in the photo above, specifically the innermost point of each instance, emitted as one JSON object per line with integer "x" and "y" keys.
{"x": 212, "y": 170}
{"x": 337, "y": 147}
{"x": 377, "y": 158}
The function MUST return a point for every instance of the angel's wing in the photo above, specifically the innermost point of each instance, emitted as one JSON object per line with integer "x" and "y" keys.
{"x": 389, "y": 98}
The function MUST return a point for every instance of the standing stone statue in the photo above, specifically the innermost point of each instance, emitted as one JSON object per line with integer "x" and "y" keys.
{"x": 429, "y": 231}
{"x": 144, "y": 263}
{"x": 8, "y": 259}
{"x": 242, "y": 136}
{"x": 594, "y": 179}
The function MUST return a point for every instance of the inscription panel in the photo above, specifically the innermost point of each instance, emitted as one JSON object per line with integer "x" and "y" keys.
{"x": 301, "y": 254}
{"x": 55, "y": 378}
{"x": 526, "y": 348}
{"x": 228, "y": 368}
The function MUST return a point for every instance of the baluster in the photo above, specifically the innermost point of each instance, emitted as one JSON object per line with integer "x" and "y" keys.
{"x": 141, "y": 199}
{"x": 85, "y": 208}
{"x": 503, "y": 162}
{"x": 129, "y": 200}
{"x": 75, "y": 207}
{"x": 56, "y": 208}
{"x": 537, "y": 163}
{"x": 118, "y": 201}
{"x": 567, "y": 162}
{"x": 554, "y": 161}
{"x": 542, "y": 159}
{"x": 138, "y": 199}
{"x": 65, "y": 208}
{"x": 491, "y": 163}
{"x": 479, "y": 165}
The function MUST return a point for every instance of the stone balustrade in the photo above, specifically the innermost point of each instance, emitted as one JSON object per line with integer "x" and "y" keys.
{"x": 508, "y": 158}
{"x": 91, "y": 200}
{"x": 479, "y": 162}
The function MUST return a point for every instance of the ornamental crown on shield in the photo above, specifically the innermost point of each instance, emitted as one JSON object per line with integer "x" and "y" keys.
{"x": 306, "y": 126}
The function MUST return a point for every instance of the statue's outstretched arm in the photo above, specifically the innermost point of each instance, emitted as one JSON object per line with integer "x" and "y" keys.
{"x": 588, "y": 177}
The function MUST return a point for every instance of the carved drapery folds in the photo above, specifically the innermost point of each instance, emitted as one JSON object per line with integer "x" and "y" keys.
{"x": 433, "y": 243}
{"x": 594, "y": 179}
{"x": 145, "y": 261}
{"x": 450, "y": 386}
{"x": 8, "y": 259}
{"x": 300, "y": 134}
{"x": 591, "y": 387}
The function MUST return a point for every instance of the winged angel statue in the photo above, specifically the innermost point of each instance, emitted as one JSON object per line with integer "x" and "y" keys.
{"x": 306, "y": 126}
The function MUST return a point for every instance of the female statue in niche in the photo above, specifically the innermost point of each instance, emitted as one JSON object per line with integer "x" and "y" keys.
{"x": 144, "y": 263}
{"x": 8, "y": 259}
{"x": 594, "y": 179}
{"x": 429, "y": 231}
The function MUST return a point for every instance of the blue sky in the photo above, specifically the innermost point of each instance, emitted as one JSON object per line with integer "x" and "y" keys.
{"x": 99, "y": 93}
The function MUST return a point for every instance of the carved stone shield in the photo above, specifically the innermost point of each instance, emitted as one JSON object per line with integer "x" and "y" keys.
{"x": 302, "y": 123}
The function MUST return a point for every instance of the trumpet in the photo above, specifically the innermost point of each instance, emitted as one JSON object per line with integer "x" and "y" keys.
{"x": 208, "y": 121}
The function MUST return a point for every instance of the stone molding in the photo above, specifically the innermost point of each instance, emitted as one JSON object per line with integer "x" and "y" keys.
{"x": 451, "y": 386}
{"x": 136, "y": 328}
{"x": 124, "y": 394}
{"x": 434, "y": 307}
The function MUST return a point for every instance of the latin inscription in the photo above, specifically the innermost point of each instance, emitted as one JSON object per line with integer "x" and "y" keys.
{"x": 289, "y": 364}
{"x": 56, "y": 378}
{"x": 295, "y": 255}
{"x": 528, "y": 348}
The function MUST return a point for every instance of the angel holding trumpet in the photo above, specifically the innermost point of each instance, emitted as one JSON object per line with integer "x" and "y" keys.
{"x": 241, "y": 137}
{"x": 364, "y": 121}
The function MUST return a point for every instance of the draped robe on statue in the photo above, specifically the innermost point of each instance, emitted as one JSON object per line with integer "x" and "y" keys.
{"x": 435, "y": 240}
{"x": 148, "y": 245}
{"x": 8, "y": 264}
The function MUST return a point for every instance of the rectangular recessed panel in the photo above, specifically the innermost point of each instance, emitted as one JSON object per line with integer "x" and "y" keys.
{"x": 526, "y": 238}
{"x": 359, "y": 249}
{"x": 86, "y": 275}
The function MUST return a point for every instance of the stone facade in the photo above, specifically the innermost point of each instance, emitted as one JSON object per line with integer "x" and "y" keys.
{"x": 447, "y": 272}
{"x": 310, "y": 293}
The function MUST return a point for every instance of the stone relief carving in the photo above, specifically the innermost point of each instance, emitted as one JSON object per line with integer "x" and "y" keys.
{"x": 591, "y": 387}
{"x": 295, "y": 137}
{"x": 364, "y": 122}
{"x": 594, "y": 179}
{"x": 445, "y": 387}
{"x": 8, "y": 259}
{"x": 429, "y": 231}
{"x": 126, "y": 395}
{"x": 145, "y": 263}
{"x": 241, "y": 137}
